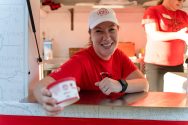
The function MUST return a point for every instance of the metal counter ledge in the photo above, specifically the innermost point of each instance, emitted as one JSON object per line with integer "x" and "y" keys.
{"x": 95, "y": 106}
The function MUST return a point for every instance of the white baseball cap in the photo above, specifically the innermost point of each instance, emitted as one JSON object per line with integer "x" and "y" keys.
{"x": 100, "y": 15}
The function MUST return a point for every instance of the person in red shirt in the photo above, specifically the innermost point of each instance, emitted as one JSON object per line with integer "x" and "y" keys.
{"x": 166, "y": 28}
{"x": 100, "y": 67}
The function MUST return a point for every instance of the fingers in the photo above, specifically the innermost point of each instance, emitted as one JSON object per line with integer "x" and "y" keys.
{"x": 52, "y": 109}
{"x": 101, "y": 84}
{"x": 97, "y": 83}
{"x": 106, "y": 90}
{"x": 46, "y": 97}
{"x": 104, "y": 86}
{"x": 46, "y": 92}
{"x": 52, "y": 113}
{"x": 49, "y": 103}
{"x": 78, "y": 88}
{"x": 108, "y": 85}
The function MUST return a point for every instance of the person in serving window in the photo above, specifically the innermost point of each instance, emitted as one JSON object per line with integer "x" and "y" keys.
{"x": 101, "y": 67}
{"x": 166, "y": 28}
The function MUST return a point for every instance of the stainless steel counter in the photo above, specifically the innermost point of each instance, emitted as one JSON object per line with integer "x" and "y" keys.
{"x": 144, "y": 106}
{"x": 142, "y": 99}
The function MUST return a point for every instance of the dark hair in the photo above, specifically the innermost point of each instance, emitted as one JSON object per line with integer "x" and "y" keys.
{"x": 159, "y": 2}
{"x": 90, "y": 42}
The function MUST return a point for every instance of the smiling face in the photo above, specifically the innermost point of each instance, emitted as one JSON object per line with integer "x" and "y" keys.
{"x": 104, "y": 39}
{"x": 173, "y": 4}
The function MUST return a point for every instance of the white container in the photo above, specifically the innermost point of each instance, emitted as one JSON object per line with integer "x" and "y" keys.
{"x": 48, "y": 53}
{"x": 64, "y": 91}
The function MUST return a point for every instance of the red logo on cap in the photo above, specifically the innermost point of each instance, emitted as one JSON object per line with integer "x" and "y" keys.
{"x": 102, "y": 12}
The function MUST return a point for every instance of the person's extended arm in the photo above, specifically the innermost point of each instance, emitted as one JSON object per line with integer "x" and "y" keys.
{"x": 43, "y": 96}
{"x": 153, "y": 34}
{"x": 136, "y": 83}
{"x": 40, "y": 85}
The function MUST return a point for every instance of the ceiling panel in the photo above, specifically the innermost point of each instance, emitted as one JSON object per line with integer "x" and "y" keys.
{"x": 73, "y": 2}
{"x": 124, "y": 2}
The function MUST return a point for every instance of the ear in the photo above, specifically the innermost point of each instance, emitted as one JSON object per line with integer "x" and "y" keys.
{"x": 89, "y": 31}
{"x": 118, "y": 27}
{"x": 90, "y": 41}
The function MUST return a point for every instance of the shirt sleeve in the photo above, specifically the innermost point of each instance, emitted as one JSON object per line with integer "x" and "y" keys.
{"x": 150, "y": 16}
{"x": 72, "y": 68}
{"x": 186, "y": 15}
{"x": 127, "y": 65}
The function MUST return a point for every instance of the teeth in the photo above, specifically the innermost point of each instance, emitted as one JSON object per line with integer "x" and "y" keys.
{"x": 107, "y": 45}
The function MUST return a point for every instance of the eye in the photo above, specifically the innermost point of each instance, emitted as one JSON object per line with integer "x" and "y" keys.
{"x": 181, "y": 0}
{"x": 98, "y": 31}
{"x": 112, "y": 29}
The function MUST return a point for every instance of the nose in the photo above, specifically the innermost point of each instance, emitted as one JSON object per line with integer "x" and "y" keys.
{"x": 106, "y": 36}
